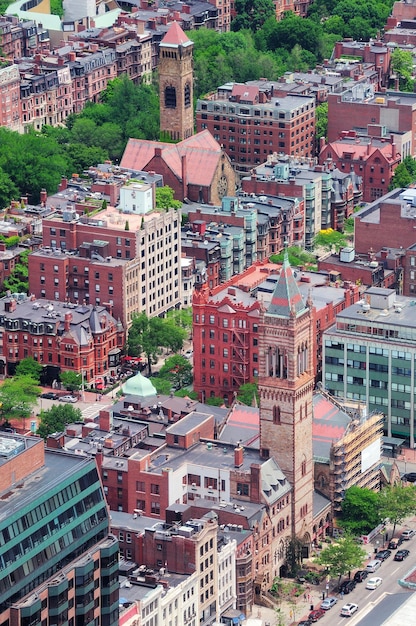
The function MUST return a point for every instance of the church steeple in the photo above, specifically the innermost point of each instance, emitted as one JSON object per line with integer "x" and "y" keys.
{"x": 285, "y": 387}
{"x": 287, "y": 299}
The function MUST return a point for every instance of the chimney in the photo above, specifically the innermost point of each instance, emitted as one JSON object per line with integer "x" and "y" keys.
{"x": 105, "y": 421}
{"x": 43, "y": 196}
{"x": 238, "y": 456}
{"x": 393, "y": 148}
{"x": 72, "y": 56}
{"x": 67, "y": 322}
{"x": 139, "y": 26}
{"x": 63, "y": 184}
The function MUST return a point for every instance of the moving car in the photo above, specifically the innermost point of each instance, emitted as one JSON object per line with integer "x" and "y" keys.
{"x": 360, "y": 575}
{"x": 407, "y": 534}
{"x": 382, "y": 555}
{"x": 68, "y": 399}
{"x": 49, "y": 395}
{"x": 349, "y": 609}
{"x": 401, "y": 555}
{"x": 316, "y": 614}
{"x": 347, "y": 586}
{"x": 328, "y": 603}
{"x": 373, "y": 583}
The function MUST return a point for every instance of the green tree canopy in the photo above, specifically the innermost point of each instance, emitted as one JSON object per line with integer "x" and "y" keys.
{"x": 404, "y": 174}
{"x": 150, "y": 334}
{"x": 402, "y": 65}
{"x": 248, "y": 394}
{"x": 329, "y": 237}
{"x": 72, "y": 381}
{"x": 343, "y": 556}
{"x": 321, "y": 123}
{"x": 29, "y": 367}
{"x": 360, "y": 510}
{"x": 56, "y": 418}
{"x": 18, "y": 397}
{"x": 297, "y": 256}
{"x": 396, "y": 502}
{"x": 251, "y": 14}
{"x": 177, "y": 370}
{"x": 165, "y": 199}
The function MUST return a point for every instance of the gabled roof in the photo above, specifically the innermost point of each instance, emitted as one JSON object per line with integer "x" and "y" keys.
{"x": 287, "y": 299}
{"x": 175, "y": 37}
{"x": 202, "y": 154}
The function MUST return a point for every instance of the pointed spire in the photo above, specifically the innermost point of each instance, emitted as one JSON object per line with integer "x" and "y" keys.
{"x": 176, "y": 37}
{"x": 286, "y": 300}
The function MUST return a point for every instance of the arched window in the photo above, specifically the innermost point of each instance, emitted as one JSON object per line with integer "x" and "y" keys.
{"x": 276, "y": 414}
{"x": 170, "y": 97}
{"x": 187, "y": 95}
{"x": 303, "y": 467}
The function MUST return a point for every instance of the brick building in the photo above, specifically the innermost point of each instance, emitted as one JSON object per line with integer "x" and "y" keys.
{"x": 10, "y": 109}
{"x": 361, "y": 105}
{"x": 250, "y": 122}
{"x": 196, "y": 168}
{"x": 226, "y": 325}
{"x": 128, "y": 262}
{"x": 373, "y": 158}
{"x": 62, "y": 337}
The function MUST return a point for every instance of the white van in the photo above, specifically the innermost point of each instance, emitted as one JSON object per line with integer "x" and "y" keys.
{"x": 373, "y": 566}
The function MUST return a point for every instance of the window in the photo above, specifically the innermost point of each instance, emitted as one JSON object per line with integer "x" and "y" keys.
{"x": 170, "y": 97}
{"x": 155, "y": 489}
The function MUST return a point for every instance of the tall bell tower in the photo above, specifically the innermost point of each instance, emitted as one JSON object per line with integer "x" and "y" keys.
{"x": 176, "y": 84}
{"x": 285, "y": 386}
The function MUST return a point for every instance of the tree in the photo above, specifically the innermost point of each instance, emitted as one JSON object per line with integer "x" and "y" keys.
{"x": 248, "y": 394}
{"x": 8, "y": 190}
{"x": 18, "y": 397}
{"x": 29, "y": 367}
{"x": 181, "y": 317}
{"x": 215, "y": 401}
{"x": 343, "y": 556}
{"x": 56, "y": 418}
{"x": 396, "y": 502}
{"x": 293, "y": 558}
{"x": 72, "y": 381}
{"x": 297, "y": 256}
{"x": 251, "y": 14}
{"x": 149, "y": 335}
{"x": 162, "y": 385}
{"x": 165, "y": 200}
{"x": 402, "y": 65}
{"x": 404, "y": 174}
{"x": 329, "y": 237}
{"x": 360, "y": 510}
{"x": 321, "y": 123}
{"x": 178, "y": 370}
{"x": 18, "y": 282}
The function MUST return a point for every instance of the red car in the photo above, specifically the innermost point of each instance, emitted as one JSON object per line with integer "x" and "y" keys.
{"x": 316, "y": 614}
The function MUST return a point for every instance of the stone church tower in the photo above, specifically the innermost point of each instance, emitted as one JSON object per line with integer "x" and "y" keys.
{"x": 176, "y": 84}
{"x": 285, "y": 386}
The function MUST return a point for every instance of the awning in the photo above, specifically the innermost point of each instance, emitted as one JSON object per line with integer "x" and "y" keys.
{"x": 114, "y": 351}
{"x": 392, "y": 442}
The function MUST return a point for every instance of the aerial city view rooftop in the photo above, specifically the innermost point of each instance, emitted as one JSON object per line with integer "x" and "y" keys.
{"x": 207, "y": 313}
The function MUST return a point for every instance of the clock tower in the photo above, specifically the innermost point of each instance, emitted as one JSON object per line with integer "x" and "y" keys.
{"x": 176, "y": 84}
{"x": 286, "y": 383}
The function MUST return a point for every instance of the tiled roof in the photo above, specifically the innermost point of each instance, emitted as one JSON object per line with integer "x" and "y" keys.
{"x": 287, "y": 298}
{"x": 175, "y": 36}
{"x": 202, "y": 153}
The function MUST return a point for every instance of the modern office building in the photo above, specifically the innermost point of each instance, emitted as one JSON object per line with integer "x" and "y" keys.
{"x": 369, "y": 355}
{"x": 58, "y": 563}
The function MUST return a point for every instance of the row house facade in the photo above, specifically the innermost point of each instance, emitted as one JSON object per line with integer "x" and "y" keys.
{"x": 373, "y": 158}
{"x": 20, "y": 39}
{"x": 10, "y": 104}
{"x": 60, "y": 336}
{"x": 250, "y": 123}
{"x": 226, "y": 326}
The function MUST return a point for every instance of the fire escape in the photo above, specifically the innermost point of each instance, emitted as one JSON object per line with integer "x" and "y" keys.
{"x": 240, "y": 358}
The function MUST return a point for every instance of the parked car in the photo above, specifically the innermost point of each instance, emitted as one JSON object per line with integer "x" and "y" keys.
{"x": 328, "y": 603}
{"x": 401, "y": 555}
{"x": 395, "y": 542}
{"x": 349, "y": 609}
{"x": 360, "y": 575}
{"x": 49, "y": 395}
{"x": 347, "y": 586}
{"x": 407, "y": 534}
{"x": 305, "y": 622}
{"x": 68, "y": 399}
{"x": 382, "y": 555}
{"x": 188, "y": 354}
{"x": 373, "y": 566}
{"x": 316, "y": 614}
{"x": 410, "y": 477}
{"x": 373, "y": 583}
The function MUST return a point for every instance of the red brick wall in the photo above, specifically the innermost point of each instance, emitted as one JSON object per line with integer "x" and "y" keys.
{"x": 21, "y": 465}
